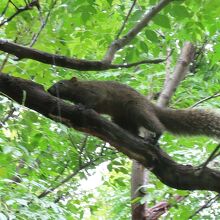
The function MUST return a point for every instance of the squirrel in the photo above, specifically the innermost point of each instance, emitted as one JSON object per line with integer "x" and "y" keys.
{"x": 133, "y": 112}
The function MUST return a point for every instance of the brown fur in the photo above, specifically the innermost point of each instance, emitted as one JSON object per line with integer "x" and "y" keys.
{"x": 131, "y": 110}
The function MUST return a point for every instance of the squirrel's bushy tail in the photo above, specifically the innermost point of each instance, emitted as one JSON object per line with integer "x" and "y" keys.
{"x": 190, "y": 121}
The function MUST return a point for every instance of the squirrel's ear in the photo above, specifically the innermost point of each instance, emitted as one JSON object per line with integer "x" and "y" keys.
{"x": 74, "y": 79}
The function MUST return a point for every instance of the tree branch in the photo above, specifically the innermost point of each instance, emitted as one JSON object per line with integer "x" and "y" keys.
{"x": 160, "y": 208}
{"x": 9, "y": 115}
{"x": 170, "y": 85}
{"x": 212, "y": 156}
{"x": 79, "y": 64}
{"x": 121, "y": 42}
{"x": 126, "y": 19}
{"x": 215, "y": 95}
{"x": 206, "y": 205}
{"x": 5, "y": 9}
{"x": 180, "y": 71}
{"x": 86, "y": 120}
{"x": 67, "y": 179}
{"x": 43, "y": 23}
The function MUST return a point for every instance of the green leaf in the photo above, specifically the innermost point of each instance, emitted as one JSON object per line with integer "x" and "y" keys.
{"x": 43, "y": 153}
{"x": 179, "y": 11}
{"x": 110, "y": 2}
{"x": 144, "y": 47}
{"x": 162, "y": 20}
{"x": 152, "y": 36}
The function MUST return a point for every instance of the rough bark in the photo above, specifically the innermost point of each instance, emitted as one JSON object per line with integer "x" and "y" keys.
{"x": 180, "y": 71}
{"x": 22, "y": 52}
{"x": 138, "y": 179}
{"x": 139, "y": 174}
{"x": 173, "y": 174}
{"x": 126, "y": 39}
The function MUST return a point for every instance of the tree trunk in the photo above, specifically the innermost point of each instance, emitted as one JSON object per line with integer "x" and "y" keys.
{"x": 138, "y": 179}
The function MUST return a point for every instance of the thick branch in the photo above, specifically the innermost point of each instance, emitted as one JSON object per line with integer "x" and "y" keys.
{"x": 86, "y": 65}
{"x": 168, "y": 171}
{"x": 180, "y": 71}
{"x": 58, "y": 60}
{"x": 121, "y": 42}
{"x": 170, "y": 85}
{"x": 139, "y": 210}
{"x": 44, "y": 57}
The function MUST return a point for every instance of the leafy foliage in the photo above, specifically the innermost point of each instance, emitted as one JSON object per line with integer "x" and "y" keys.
{"x": 38, "y": 154}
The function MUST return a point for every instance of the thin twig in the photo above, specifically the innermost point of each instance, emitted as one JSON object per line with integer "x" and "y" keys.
{"x": 19, "y": 10}
{"x": 16, "y": 178}
{"x": 4, "y": 62}
{"x": 43, "y": 24}
{"x": 154, "y": 61}
{"x": 9, "y": 114}
{"x": 26, "y": 2}
{"x": 202, "y": 48}
{"x": 206, "y": 205}
{"x": 62, "y": 171}
{"x": 215, "y": 95}
{"x": 5, "y": 9}
{"x": 126, "y": 19}
{"x": 82, "y": 148}
{"x": 59, "y": 197}
{"x": 65, "y": 180}
{"x": 100, "y": 155}
{"x": 198, "y": 56}
{"x": 149, "y": 61}
{"x": 210, "y": 158}
{"x": 14, "y": 5}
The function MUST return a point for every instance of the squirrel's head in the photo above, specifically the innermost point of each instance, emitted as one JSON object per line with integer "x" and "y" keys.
{"x": 63, "y": 88}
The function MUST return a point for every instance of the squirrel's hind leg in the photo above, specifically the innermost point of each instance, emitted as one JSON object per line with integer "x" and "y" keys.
{"x": 149, "y": 126}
